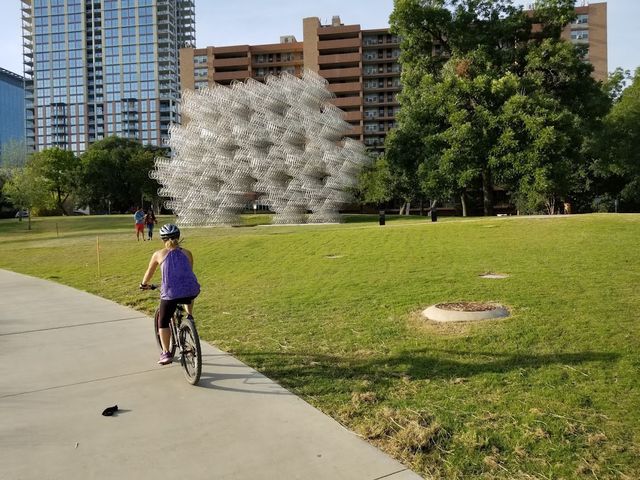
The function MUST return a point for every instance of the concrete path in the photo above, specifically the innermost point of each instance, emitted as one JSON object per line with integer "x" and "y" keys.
{"x": 65, "y": 355}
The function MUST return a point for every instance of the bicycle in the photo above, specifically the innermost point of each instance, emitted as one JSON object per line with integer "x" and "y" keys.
{"x": 184, "y": 329}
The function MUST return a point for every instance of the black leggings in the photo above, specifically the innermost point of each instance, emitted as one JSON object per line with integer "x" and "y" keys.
{"x": 168, "y": 308}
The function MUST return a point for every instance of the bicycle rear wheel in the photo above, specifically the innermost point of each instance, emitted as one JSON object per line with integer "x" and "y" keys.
{"x": 172, "y": 345}
{"x": 190, "y": 354}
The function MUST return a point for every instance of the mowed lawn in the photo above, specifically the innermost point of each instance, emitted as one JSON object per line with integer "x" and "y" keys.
{"x": 332, "y": 313}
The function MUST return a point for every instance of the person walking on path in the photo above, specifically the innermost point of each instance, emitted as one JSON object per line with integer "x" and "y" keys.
{"x": 138, "y": 217}
{"x": 179, "y": 284}
{"x": 150, "y": 221}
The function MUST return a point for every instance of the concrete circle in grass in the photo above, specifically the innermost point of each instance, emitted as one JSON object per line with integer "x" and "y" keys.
{"x": 464, "y": 312}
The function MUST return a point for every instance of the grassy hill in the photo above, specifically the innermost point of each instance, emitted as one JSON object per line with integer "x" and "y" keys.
{"x": 332, "y": 313}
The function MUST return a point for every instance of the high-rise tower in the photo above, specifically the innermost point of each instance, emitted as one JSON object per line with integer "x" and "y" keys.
{"x": 12, "y": 107}
{"x": 96, "y": 68}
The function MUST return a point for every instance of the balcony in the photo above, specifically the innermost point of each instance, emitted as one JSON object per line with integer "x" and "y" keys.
{"x": 354, "y": 116}
{"x": 368, "y": 58}
{"x": 369, "y": 42}
{"x": 221, "y": 76}
{"x": 383, "y": 88}
{"x": 280, "y": 63}
{"x": 231, "y": 62}
{"x": 353, "y": 72}
{"x": 234, "y": 51}
{"x": 339, "y": 30}
{"x": 351, "y": 44}
{"x": 345, "y": 87}
{"x": 380, "y": 101}
{"x": 377, "y": 73}
{"x": 347, "y": 101}
{"x": 339, "y": 58}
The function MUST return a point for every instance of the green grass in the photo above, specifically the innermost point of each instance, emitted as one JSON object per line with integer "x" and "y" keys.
{"x": 551, "y": 392}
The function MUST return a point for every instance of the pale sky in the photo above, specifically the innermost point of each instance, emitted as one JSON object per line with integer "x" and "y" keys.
{"x": 233, "y": 22}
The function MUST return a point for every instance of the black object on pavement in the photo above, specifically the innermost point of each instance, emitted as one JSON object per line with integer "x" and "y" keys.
{"x": 109, "y": 411}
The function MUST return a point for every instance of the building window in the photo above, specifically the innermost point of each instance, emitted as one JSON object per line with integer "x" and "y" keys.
{"x": 581, "y": 19}
{"x": 580, "y": 35}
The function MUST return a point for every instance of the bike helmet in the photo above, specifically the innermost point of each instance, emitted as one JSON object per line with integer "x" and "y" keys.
{"x": 169, "y": 231}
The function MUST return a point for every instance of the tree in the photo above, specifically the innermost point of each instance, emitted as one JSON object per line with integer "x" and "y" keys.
{"x": 545, "y": 124}
{"x": 13, "y": 154}
{"x": 115, "y": 174}
{"x": 619, "y": 166}
{"x": 375, "y": 183}
{"x": 61, "y": 170}
{"x": 485, "y": 100}
{"x": 27, "y": 190}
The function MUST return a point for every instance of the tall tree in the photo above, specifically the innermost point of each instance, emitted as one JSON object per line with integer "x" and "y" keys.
{"x": 61, "y": 169}
{"x": 115, "y": 174}
{"x": 486, "y": 99}
{"x": 619, "y": 166}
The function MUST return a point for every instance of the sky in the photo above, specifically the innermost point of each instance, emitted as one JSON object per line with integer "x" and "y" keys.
{"x": 250, "y": 22}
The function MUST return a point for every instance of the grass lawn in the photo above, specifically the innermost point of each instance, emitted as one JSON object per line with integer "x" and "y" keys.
{"x": 331, "y": 313}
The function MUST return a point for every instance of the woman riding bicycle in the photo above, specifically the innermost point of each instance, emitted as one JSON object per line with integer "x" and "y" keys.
{"x": 179, "y": 283}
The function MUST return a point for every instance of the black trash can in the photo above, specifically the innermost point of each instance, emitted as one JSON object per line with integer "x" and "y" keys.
{"x": 381, "y": 219}
{"x": 434, "y": 215}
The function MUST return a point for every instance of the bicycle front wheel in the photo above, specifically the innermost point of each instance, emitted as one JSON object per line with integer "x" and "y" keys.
{"x": 190, "y": 352}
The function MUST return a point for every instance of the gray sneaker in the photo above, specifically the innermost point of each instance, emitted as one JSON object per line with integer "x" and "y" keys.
{"x": 166, "y": 358}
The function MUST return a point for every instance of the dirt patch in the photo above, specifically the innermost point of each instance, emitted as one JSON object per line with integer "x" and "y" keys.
{"x": 466, "y": 306}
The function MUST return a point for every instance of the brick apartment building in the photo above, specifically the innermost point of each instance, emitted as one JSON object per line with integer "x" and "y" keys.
{"x": 361, "y": 66}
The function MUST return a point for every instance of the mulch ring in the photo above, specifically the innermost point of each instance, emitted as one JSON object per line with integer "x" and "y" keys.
{"x": 466, "y": 306}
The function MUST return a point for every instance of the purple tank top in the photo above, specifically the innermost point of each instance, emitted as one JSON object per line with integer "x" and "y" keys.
{"x": 178, "y": 279}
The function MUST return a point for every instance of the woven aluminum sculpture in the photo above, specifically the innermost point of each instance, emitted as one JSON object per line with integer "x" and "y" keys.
{"x": 280, "y": 142}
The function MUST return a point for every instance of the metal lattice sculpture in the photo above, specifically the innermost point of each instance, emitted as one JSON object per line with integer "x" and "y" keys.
{"x": 280, "y": 140}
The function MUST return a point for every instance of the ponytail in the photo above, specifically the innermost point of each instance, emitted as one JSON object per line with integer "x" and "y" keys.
{"x": 172, "y": 243}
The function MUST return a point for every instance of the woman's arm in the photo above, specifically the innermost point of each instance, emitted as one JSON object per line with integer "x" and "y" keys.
{"x": 151, "y": 269}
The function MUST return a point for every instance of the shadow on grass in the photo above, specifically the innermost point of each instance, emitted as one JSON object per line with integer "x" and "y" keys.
{"x": 324, "y": 371}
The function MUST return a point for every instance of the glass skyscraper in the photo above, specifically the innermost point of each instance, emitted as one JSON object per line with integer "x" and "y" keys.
{"x": 97, "y": 68}
{"x": 11, "y": 107}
